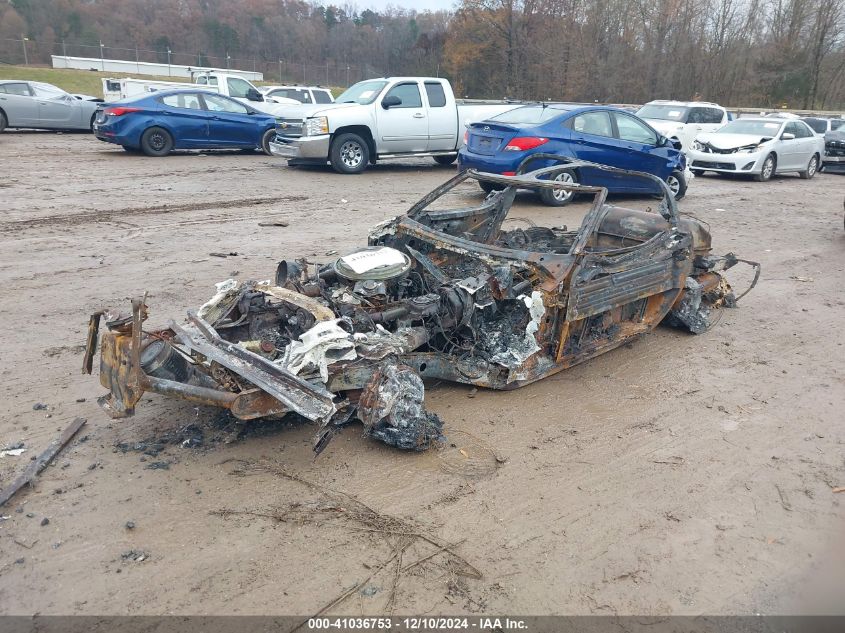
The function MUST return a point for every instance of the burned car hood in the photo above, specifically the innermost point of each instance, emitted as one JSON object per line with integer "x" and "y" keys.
{"x": 440, "y": 293}
{"x": 731, "y": 141}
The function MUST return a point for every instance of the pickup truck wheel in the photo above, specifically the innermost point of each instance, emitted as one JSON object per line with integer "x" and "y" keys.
{"x": 156, "y": 141}
{"x": 268, "y": 137}
{"x": 445, "y": 160}
{"x": 349, "y": 154}
{"x": 559, "y": 197}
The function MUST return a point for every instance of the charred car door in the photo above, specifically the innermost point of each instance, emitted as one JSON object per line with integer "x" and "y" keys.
{"x": 629, "y": 268}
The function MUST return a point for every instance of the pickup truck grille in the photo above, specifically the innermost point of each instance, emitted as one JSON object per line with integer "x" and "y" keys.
{"x": 834, "y": 148}
{"x": 289, "y": 127}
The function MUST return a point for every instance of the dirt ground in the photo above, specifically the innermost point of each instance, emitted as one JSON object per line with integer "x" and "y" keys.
{"x": 679, "y": 474}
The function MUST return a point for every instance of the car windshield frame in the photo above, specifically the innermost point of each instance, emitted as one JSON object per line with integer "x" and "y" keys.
{"x": 747, "y": 127}
{"x": 364, "y": 92}
{"x": 58, "y": 93}
{"x": 660, "y": 111}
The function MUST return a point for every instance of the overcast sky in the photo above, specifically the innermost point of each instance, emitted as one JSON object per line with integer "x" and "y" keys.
{"x": 419, "y": 5}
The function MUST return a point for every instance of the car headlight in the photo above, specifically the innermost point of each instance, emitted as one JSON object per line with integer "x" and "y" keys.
{"x": 698, "y": 147}
{"x": 748, "y": 150}
{"x": 316, "y": 126}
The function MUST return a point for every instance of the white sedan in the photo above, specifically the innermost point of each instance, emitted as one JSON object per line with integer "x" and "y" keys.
{"x": 759, "y": 147}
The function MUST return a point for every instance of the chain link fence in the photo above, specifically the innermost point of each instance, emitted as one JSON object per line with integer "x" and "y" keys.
{"x": 26, "y": 51}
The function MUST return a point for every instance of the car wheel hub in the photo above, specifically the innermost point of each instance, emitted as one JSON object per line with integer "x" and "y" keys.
{"x": 674, "y": 185}
{"x": 351, "y": 154}
{"x": 561, "y": 194}
{"x": 767, "y": 168}
{"x": 813, "y": 164}
{"x": 157, "y": 142}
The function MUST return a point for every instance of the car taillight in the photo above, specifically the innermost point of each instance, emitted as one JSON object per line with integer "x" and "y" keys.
{"x": 522, "y": 143}
{"x": 120, "y": 111}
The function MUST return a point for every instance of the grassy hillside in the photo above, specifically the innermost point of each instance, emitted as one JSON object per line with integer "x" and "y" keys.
{"x": 80, "y": 81}
{"x": 86, "y": 81}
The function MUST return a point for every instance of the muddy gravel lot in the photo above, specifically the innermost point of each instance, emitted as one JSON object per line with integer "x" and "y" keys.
{"x": 679, "y": 474}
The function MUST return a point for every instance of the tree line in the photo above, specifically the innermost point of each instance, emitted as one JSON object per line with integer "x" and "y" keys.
{"x": 766, "y": 53}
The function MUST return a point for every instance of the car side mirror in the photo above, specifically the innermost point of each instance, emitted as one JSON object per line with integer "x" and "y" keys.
{"x": 390, "y": 101}
{"x": 253, "y": 95}
{"x": 787, "y": 136}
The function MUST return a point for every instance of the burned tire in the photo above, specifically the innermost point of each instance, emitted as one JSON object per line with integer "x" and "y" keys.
{"x": 268, "y": 137}
{"x": 559, "y": 197}
{"x": 487, "y": 187}
{"x": 349, "y": 154}
{"x": 812, "y": 168}
{"x": 768, "y": 169}
{"x": 156, "y": 141}
{"x": 445, "y": 160}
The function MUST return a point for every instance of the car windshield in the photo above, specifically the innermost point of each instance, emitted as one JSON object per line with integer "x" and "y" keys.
{"x": 752, "y": 126}
{"x": 662, "y": 112}
{"x": 529, "y": 114}
{"x": 48, "y": 91}
{"x": 836, "y": 124}
{"x": 819, "y": 125}
{"x": 363, "y": 92}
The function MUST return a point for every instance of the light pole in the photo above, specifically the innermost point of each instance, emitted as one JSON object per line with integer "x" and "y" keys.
{"x": 168, "y": 61}
{"x": 24, "y": 40}
{"x": 227, "y": 61}
{"x": 280, "y": 71}
{"x": 102, "y": 57}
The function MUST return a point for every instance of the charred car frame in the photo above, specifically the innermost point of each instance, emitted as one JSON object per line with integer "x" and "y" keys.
{"x": 445, "y": 294}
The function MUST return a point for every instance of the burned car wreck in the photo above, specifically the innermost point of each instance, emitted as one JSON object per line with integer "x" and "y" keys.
{"x": 442, "y": 294}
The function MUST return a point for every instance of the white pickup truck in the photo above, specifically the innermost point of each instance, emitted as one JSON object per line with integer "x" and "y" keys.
{"x": 221, "y": 83}
{"x": 391, "y": 117}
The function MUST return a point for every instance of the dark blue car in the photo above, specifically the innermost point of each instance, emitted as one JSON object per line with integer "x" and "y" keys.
{"x": 163, "y": 121}
{"x": 598, "y": 134}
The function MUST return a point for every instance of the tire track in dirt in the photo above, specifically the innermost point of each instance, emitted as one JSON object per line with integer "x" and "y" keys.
{"x": 109, "y": 215}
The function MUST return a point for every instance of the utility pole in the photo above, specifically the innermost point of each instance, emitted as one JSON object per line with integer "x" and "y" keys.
{"x": 24, "y": 40}
{"x": 64, "y": 49}
{"x": 137, "y": 65}
{"x": 227, "y": 61}
{"x": 280, "y": 71}
{"x": 168, "y": 62}
{"x": 102, "y": 56}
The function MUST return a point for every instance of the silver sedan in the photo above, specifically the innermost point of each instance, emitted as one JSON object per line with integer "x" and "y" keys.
{"x": 32, "y": 104}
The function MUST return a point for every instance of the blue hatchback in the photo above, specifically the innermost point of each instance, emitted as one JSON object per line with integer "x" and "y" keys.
{"x": 163, "y": 121}
{"x": 599, "y": 134}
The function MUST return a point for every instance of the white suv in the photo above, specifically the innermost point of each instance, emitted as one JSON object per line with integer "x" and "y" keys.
{"x": 683, "y": 120}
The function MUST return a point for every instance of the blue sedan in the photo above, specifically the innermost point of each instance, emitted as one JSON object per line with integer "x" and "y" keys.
{"x": 163, "y": 121}
{"x": 598, "y": 134}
